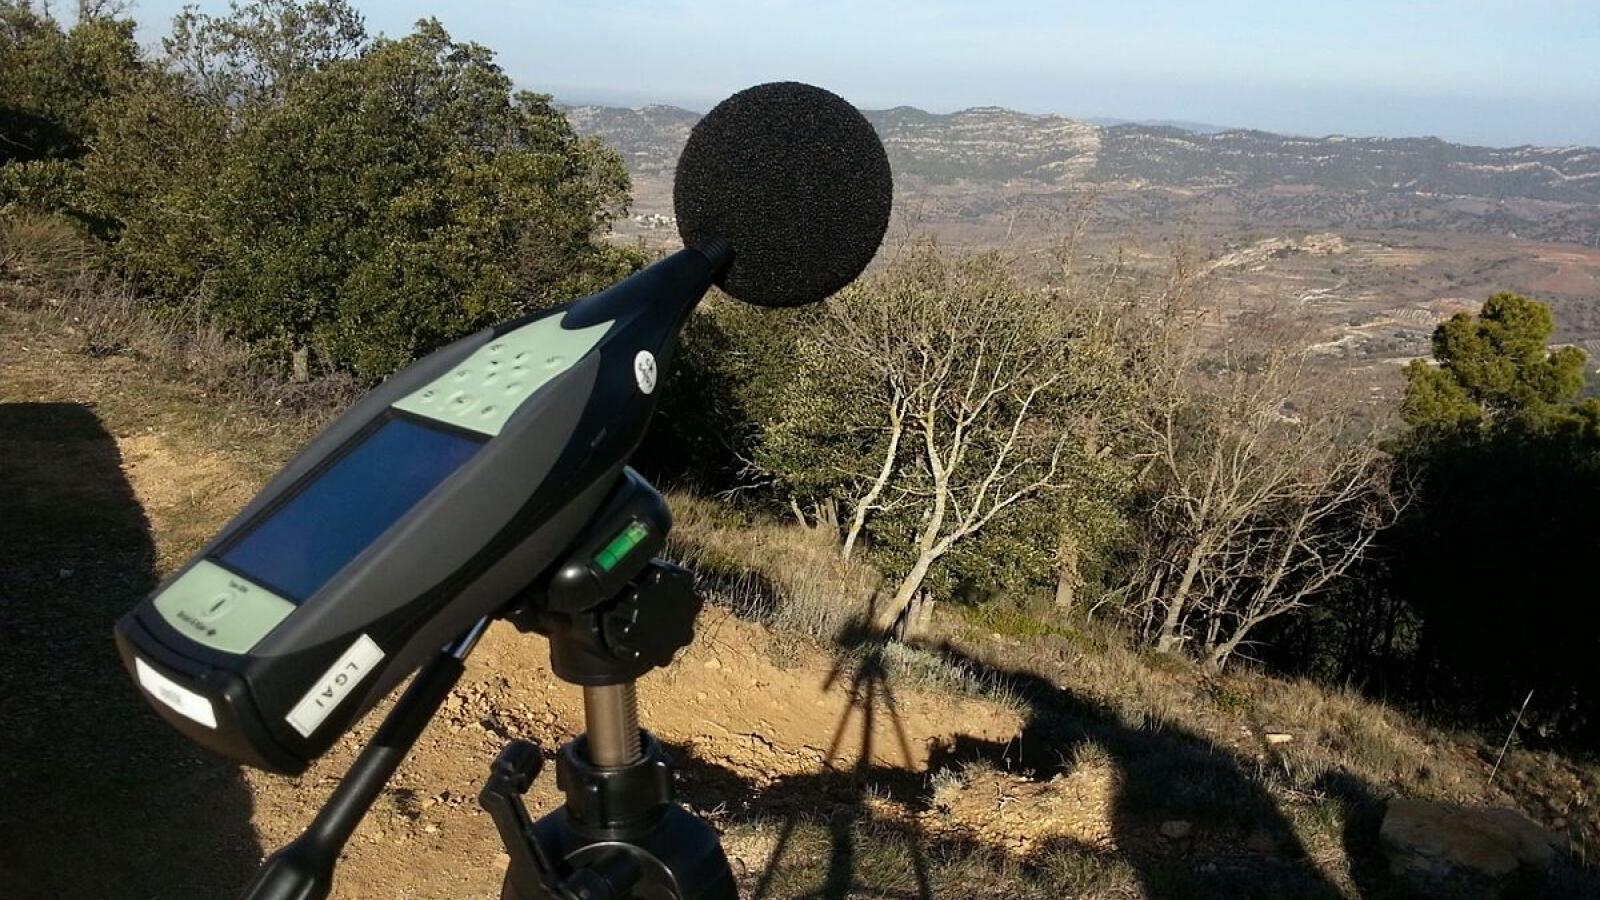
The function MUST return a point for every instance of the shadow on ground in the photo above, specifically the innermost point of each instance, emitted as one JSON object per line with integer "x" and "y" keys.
{"x": 1244, "y": 846}
{"x": 100, "y": 797}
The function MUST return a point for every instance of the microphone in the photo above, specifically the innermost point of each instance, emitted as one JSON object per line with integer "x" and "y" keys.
{"x": 796, "y": 180}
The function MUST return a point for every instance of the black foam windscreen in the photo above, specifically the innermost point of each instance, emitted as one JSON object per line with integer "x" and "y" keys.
{"x": 796, "y": 180}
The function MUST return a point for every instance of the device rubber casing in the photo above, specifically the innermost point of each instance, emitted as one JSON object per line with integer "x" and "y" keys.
{"x": 469, "y": 547}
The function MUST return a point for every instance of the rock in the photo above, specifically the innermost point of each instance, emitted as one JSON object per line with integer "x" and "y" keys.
{"x": 1176, "y": 829}
{"x": 1278, "y": 737}
{"x": 713, "y": 664}
{"x": 1448, "y": 851}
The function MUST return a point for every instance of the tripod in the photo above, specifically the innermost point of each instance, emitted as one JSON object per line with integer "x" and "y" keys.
{"x": 620, "y": 834}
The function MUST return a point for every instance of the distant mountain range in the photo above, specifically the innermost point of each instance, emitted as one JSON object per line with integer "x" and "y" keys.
{"x": 1196, "y": 127}
{"x": 991, "y": 144}
{"x": 1369, "y": 241}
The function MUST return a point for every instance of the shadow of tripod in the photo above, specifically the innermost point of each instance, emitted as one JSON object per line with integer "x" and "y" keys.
{"x": 864, "y": 665}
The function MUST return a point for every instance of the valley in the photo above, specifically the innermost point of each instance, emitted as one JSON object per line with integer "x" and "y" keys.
{"x": 1366, "y": 242}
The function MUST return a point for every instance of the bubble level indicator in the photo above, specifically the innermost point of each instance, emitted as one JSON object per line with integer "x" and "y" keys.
{"x": 621, "y": 546}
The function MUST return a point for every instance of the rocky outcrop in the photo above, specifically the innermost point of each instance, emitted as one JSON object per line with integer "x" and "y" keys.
{"x": 1463, "y": 853}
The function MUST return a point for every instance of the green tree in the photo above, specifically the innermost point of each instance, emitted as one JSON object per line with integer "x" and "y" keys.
{"x": 354, "y": 201}
{"x": 1493, "y": 367}
{"x": 52, "y": 82}
{"x": 1495, "y": 556}
{"x": 256, "y": 53}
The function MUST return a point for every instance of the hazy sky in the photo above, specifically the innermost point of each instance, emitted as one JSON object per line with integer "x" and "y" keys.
{"x": 1483, "y": 71}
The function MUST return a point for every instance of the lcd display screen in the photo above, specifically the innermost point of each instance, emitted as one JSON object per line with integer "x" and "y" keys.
{"x": 297, "y": 548}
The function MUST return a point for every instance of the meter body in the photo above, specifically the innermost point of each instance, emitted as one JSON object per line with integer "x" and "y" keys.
{"x": 435, "y": 501}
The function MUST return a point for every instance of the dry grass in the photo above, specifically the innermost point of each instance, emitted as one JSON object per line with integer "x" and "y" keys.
{"x": 906, "y": 664}
{"x": 783, "y": 575}
{"x": 845, "y": 854}
{"x": 1337, "y": 730}
{"x": 46, "y": 266}
{"x": 791, "y": 578}
{"x": 1190, "y": 742}
{"x": 42, "y": 251}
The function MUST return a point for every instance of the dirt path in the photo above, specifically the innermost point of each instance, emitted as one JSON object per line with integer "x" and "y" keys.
{"x": 112, "y": 477}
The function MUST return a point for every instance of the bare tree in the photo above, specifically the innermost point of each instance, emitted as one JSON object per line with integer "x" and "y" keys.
{"x": 91, "y": 10}
{"x": 1262, "y": 489}
{"x": 949, "y": 392}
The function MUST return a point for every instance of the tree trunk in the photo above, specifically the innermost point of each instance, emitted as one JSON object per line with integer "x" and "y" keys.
{"x": 1067, "y": 578}
{"x": 1219, "y": 655}
{"x": 857, "y": 521}
{"x": 858, "y": 518}
{"x": 929, "y": 545}
{"x": 828, "y": 515}
{"x": 1066, "y": 591}
{"x": 1213, "y": 633}
{"x": 914, "y": 619}
{"x": 907, "y": 591}
{"x": 1147, "y": 607}
{"x": 1168, "y": 638}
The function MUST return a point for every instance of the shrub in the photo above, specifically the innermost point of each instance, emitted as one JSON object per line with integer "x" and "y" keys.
{"x": 42, "y": 251}
{"x": 52, "y": 78}
{"x": 363, "y": 205}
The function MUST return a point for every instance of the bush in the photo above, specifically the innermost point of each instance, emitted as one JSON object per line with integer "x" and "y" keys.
{"x": 52, "y": 83}
{"x": 363, "y": 205}
{"x": 51, "y": 78}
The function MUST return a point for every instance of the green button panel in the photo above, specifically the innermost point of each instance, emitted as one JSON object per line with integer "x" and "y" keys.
{"x": 484, "y": 390}
{"x": 217, "y": 608}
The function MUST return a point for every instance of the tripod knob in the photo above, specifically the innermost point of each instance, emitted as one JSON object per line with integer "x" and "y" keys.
{"x": 654, "y": 619}
{"x": 518, "y": 765}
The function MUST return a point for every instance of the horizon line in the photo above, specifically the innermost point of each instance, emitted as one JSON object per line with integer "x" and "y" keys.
{"x": 1209, "y": 129}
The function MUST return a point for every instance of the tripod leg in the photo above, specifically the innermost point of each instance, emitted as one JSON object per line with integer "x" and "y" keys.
{"x": 303, "y": 869}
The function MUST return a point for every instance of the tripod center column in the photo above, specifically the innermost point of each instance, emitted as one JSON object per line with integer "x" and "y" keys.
{"x": 611, "y": 719}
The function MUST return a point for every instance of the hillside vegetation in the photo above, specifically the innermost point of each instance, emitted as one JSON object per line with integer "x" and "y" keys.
{"x": 1242, "y": 599}
{"x": 996, "y": 144}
